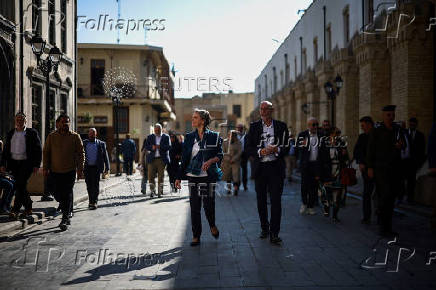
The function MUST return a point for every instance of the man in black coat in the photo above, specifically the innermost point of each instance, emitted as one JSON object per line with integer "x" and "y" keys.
{"x": 417, "y": 156}
{"x": 96, "y": 162}
{"x": 359, "y": 154}
{"x": 267, "y": 143}
{"x": 22, "y": 155}
{"x": 244, "y": 155}
{"x": 383, "y": 159}
{"x": 310, "y": 146}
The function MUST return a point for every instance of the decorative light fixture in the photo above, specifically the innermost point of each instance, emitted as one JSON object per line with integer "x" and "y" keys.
{"x": 46, "y": 66}
{"x": 332, "y": 92}
{"x": 38, "y": 45}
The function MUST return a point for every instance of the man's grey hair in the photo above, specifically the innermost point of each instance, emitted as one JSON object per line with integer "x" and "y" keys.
{"x": 312, "y": 119}
{"x": 268, "y": 103}
{"x": 93, "y": 129}
{"x": 158, "y": 125}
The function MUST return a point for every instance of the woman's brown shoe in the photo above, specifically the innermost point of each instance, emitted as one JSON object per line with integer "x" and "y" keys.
{"x": 195, "y": 242}
{"x": 215, "y": 232}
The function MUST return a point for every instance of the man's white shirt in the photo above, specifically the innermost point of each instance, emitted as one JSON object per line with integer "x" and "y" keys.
{"x": 268, "y": 139}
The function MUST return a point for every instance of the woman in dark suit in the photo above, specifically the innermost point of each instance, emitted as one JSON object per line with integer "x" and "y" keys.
{"x": 200, "y": 165}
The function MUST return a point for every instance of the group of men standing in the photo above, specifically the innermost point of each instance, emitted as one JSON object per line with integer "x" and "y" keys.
{"x": 388, "y": 156}
{"x": 64, "y": 159}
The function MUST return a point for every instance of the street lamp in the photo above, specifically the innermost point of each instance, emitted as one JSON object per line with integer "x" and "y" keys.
{"x": 116, "y": 101}
{"x": 47, "y": 65}
{"x": 331, "y": 92}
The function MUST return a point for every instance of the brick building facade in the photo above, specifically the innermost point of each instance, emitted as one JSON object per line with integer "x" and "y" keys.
{"x": 384, "y": 59}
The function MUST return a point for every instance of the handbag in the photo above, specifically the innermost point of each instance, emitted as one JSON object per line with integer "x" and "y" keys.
{"x": 348, "y": 176}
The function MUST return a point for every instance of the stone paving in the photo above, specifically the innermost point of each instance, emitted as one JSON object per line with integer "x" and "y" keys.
{"x": 134, "y": 242}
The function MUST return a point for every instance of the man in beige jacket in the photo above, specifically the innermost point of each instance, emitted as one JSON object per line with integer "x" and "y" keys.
{"x": 63, "y": 157}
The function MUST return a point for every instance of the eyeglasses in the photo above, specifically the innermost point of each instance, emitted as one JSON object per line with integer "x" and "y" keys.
{"x": 315, "y": 125}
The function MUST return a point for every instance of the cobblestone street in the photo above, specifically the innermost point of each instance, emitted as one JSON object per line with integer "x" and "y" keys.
{"x": 133, "y": 241}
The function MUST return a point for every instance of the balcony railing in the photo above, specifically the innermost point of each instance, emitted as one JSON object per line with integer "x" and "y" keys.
{"x": 141, "y": 91}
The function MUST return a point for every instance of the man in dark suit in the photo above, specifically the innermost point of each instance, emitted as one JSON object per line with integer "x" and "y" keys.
{"x": 310, "y": 146}
{"x": 359, "y": 154}
{"x": 22, "y": 155}
{"x": 244, "y": 156}
{"x": 158, "y": 146}
{"x": 128, "y": 148}
{"x": 417, "y": 156}
{"x": 96, "y": 162}
{"x": 267, "y": 143}
{"x": 383, "y": 158}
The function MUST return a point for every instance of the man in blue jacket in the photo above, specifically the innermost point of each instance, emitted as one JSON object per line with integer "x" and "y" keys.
{"x": 158, "y": 146}
{"x": 128, "y": 148}
{"x": 96, "y": 162}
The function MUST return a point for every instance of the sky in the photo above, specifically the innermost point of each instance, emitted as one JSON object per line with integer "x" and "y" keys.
{"x": 215, "y": 45}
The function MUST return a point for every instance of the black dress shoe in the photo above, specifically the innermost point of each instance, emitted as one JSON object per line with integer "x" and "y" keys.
{"x": 63, "y": 225}
{"x": 365, "y": 221}
{"x": 263, "y": 234}
{"x": 274, "y": 239}
{"x": 195, "y": 242}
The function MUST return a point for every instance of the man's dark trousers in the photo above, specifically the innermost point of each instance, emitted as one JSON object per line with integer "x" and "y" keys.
{"x": 269, "y": 180}
{"x": 63, "y": 185}
{"x": 368, "y": 189}
{"x": 92, "y": 179}
{"x": 309, "y": 185}
{"x": 21, "y": 171}
{"x": 244, "y": 161}
{"x": 128, "y": 166}
{"x": 387, "y": 185}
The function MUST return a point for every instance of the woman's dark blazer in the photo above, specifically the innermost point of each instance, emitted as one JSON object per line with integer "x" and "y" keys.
{"x": 213, "y": 149}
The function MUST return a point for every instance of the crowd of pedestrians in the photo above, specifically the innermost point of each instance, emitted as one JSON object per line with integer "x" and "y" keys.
{"x": 388, "y": 155}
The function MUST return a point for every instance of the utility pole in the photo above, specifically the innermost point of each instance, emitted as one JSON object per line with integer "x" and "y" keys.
{"x": 119, "y": 16}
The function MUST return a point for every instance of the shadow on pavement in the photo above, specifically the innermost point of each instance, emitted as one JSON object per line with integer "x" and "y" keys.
{"x": 169, "y": 199}
{"x": 31, "y": 234}
{"x": 132, "y": 263}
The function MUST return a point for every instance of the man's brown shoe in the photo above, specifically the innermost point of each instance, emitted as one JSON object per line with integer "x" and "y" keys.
{"x": 215, "y": 232}
{"x": 195, "y": 242}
